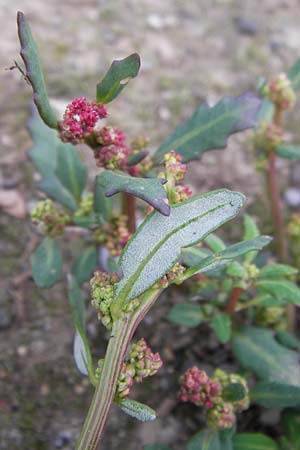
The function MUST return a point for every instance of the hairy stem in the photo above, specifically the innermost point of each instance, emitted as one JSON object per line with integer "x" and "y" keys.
{"x": 103, "y": 398}
{"x": 233, "y": 299}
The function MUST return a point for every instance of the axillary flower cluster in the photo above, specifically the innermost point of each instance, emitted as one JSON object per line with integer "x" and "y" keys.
{"x": 198, "y": 388}
{"x": 49, "y": 219}
{"x": 174, "y": 172}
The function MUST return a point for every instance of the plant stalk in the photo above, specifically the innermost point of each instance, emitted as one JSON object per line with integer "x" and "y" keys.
{"x": 129, "y": 209}
{"x": 122, "y": 332}
{"x": 233, "y": 299}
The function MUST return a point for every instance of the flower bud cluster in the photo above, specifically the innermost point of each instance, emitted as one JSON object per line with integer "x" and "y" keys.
{"x": 103, "y": 288}
{"x": 268, "y": 135}
{"x": 114, "y": 235}
{"x": 174, "y": 172}
{"x": 252, "y": 270}
{"x": 80, "y": 119}
{"x": 49, "y": 218}
{"x": 173, "y": 276}
{"x": 280, "y": 92}
{"x": 274, "y": 317}
{"x": 112, "y": 152}
{"x": 197, "y": 387}
{"x": 85, "y": 207}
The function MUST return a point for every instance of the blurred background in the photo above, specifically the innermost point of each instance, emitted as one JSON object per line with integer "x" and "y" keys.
{"x": 191, "y": 51}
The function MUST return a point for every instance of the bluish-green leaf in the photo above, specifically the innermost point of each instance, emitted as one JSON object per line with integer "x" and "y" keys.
{"x": 290, "y": 421}
{"x": 275, "y": 395}
{"x": 280, "y": 288}
{"x": 221, "y": 324}
{"x": 210, "y": 127}
{"x": 266, "y": 111}
{"x": 257, "y": 350}
{"x": 70, "y": 170}
{"x": 149, "y": 189}
{"x": 251, "y": 231}
{"x": 46, "y": 263}
{"x": 78, "y": 316}
{"x": 204, "y": 440}
{"x": 253, "y": 441}
{"x": 194, "y": 255}
{"x": 288, "y": 151}
{"x": 294, "y": 75}
{"x": 85, "y": 264}
{"x": 138, "y": 410}
{"x": 34, "y": 74}
{"x": 277, "y": 270}
{"x": 156, "y": 245}
{"x": 288, "y": 340}
{"x": 119, "y": 74}
{"x": 186, "y": 314}
{"x": 215, "y": 243}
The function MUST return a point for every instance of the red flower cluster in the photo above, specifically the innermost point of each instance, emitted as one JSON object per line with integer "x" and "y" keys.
{"x": 198, "y": 388}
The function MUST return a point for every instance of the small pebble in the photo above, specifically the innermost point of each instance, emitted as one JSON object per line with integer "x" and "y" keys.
{"x": 246, "y": 26}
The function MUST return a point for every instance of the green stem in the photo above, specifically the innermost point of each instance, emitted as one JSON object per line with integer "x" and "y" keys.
{"x": 121, "y": 335}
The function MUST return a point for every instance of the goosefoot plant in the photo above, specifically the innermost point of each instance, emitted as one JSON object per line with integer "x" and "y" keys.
{"x": 141, "y": 263}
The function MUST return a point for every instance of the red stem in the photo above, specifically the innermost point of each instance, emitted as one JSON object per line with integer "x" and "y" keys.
{"x": 233, "y": 299}
{"x": 129, "y": 208}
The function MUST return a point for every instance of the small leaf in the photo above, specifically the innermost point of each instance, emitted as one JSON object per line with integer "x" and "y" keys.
{"x": 136, "y": 158}
{"x": 251, "y": 441}
{"x": 34, "y": 74}
{"x": 277, "y": 270}
{"x": 288, "y": 340}
{"x": 210, "y": 127}
{"x": 70, "y": 170}
{"x": 102, "y": 204}
{"x": 266, "y": 111}
{"x": 156, "y": 245}
{"x": 148, "y": 189}
{"x": 290, "y": 421}
{"x": 215, "y": 243}
{"x": 221, "y": 324}
{"x": 275, "y": 395}
{"x": 118, "y": 75}
{"x": 257, "y": 350}
{"x": 251, "y": 231}
{"x": 234, "y": 392}
{"x": 78, "y": 316}
{"x": 46, "y": 263}
{"x": 79, "y": 354}
{"x": 204, "y": 440}
{"x": 194, "y": 255}
{"x": 85, "y": 265}
{"x": 281, "y": 289}
{"x": 288, "y": 151}
{"x": 294, "y": 75}
{"x": 186, "y": 314}
{"x": 236, "y": 270}
{"x": 137, "y": 410}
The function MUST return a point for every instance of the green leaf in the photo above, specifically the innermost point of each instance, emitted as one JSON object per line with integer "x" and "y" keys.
{"x": 253, "y": 441}
{"x": 236, "y": 270}
{"x": 257, "y": 350}
{"x": 215, "y": 243}
{"x": 204, "y": 440}
{"x": 46, "y": 263}
{"x": 225, "y": 437}
{"x": 210, "y": 127}
{"x": 288, "y": 151}
{"x": 281, "y": 289}
{"x": 234, "y": 392}
{"x": 288, "y": 340}
{"x": 194, "y": 255}
{"x": 266, "y": 111}
{"x": 156, "y": 245}
{"x": 85, "y": 265}
{"x": 250, "y": 231}
{"x": 78, "y": 317}
{"x": 294, "y": 75}
{"x": 225, "y": 256}
{"x": 148, "y": 189}
{"x": 137, "y": 410}
{"x": 275, "y": 395}
{"x": 70, "y": 170}
{"x": 186, "y": 314}
{"x": 136, "y": 158}
{"x": 277, "y": 270}
{"x": 102, "y": 204}
{"x": 221, "y": 324}
{"x": 34, "y": 74}
{"x": 45, "y": 153}
{"x": 290, "y": 421}
{"x": 118, "y": 75}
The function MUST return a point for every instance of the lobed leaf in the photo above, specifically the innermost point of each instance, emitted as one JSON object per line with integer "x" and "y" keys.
{"x": 46, "y": 263}
{"x": 148, "y": 189}
{"x": 210, "y": 127}
{"x": 118, "y": 75}
{"x": 34, "y": 74}
{"x": 156, "y": 245}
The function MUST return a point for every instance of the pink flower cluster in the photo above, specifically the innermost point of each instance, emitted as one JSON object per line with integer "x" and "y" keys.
{"x": 198, "y": 388}
{"x": 140, "y": 363}
{"x": 280, "y": 92}
{"x": 174, "y": 166}
{"x": 222, "y": 416}
{"x": 79, "y": 120}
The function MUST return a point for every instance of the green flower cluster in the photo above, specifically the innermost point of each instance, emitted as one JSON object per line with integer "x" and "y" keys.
{"x": 103, "y": 288}
{"x": 51, "y": 221}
